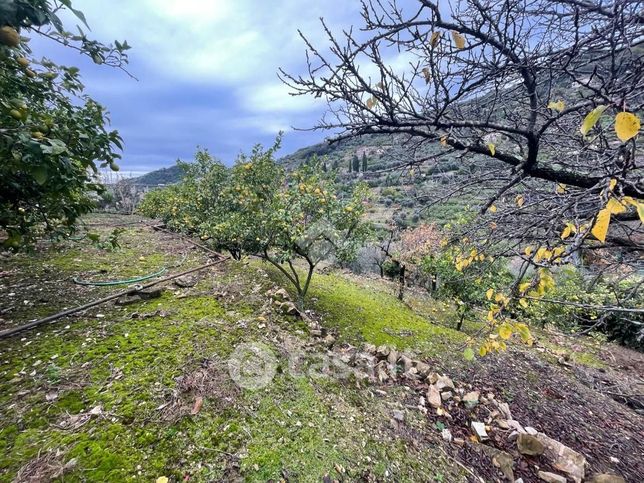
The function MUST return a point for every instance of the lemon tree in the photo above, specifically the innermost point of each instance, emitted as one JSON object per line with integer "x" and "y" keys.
{"x": 53, "y": 137}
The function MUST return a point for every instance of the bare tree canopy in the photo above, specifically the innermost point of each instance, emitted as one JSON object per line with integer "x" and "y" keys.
{"x": 540, "y": 97}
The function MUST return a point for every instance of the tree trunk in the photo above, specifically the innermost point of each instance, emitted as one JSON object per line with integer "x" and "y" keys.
{"x": 460, "y": 322}
{"x": 401, "y": 282}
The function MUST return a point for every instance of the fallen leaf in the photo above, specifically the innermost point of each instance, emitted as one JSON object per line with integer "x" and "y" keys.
{"x": 627, "y": 125}
{"x": 197, "y": 406}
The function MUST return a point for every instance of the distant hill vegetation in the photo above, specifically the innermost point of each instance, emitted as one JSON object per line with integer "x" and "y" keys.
{"x": 378, "y": 160}
{"x": 170, "y": 175}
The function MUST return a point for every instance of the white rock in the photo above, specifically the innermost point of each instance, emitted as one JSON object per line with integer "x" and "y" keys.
{"x": 551, "y": 477}
{"x": 447, "y": 435}
{"x": 530, "y": 430}
{"x": 479, "y": 430}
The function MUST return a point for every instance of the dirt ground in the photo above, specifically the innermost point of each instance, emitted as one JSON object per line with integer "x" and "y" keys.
{"x": 140, "y": 391}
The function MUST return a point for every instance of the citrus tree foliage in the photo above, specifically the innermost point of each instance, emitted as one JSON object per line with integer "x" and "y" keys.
{"x": 53, "y": 138}
{"x": 290, "y": 219}
{"x": 540, "y": 100}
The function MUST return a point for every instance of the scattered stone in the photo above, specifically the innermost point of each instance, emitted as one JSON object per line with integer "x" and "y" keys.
{"x": 551, "y": 477}
{"x": 329, "y": 340}
{"x": 479, "y": 430}
{"x": 607, "y": 478}
{"x": 369, "y": 348}
{"x": 446, "y": 395}
{"x": 432, "y": 378}
{"x": 281, "y": 295}
{"x": 444, "y": 382}
{"x": 128, "y": 300}
{"x": 406, "y": 362}
{"x": 399, "y": 415}
{"x": 502, "y": 423}
{"x": 382, "y": 352}
{"x": 150, "y": 293}
{"x": 471, "y": 399}
{"x": 434, "y": 397}
{"x": 392, "y": 358}
{"x": 501, "y": 460}
{"x": 422, "y": 368}
{"x": 187, "y": 281}
{"x": 288, "y": 308}
{"x": 513, "y": 436}
{"x": 504, "y": 408}
{"x": 516, "y": 426}
{"x": 528, "y": 444}
{"x": 564, "y": 458}
{"x": 447, "y": 435}
{"x": 459, "y": 441}
{"x": 531, "y": 430}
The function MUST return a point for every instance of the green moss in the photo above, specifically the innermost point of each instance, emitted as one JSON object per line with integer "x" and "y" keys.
{"x": 371, "y": 314}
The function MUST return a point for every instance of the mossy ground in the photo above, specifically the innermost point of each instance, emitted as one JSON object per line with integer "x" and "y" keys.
{"x": 92, "y": 389}
{"x": 127, "y": 369}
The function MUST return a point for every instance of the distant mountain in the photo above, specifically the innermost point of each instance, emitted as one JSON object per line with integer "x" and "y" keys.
{"x": 162, "y": 176}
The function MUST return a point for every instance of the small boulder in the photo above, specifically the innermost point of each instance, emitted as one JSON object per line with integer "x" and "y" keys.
{"x": 392, "y": 358}
{"x": 444, "y": 382}
{"x": 564, "y": 458}
{"x": 128, "y": 300}
{"x": 289, "y": 308}
{"x": 187, "y": 281}
{"x": 447, "y": 435}
{"x": 434, "y": 397}
{"x": 399, "y": 415}
{"x": 423, "y": 369}
{"x": 551, "y": 477}
{"x": 528, "y": 444}
{"x": 281, "y": 295}
{"x": 471, "y": 399}
{"x": 150, "y": 293}
{"x": 445, "y": 396}
{"x": 504, "y": 409}
{"x": 328, "y": 341}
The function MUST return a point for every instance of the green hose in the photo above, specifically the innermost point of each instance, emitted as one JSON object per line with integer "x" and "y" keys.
{"x": 120, "y": 282}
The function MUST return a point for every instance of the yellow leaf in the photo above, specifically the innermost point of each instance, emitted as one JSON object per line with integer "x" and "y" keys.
{"x": 492, "y": 148}
{"x": 557, "y": 106}
{"x": 490, "y": 316}
{"x": 528, "y": 251}
{"x": 627, "y": 125}
{"x": 561, "y": 188}
{"x": 459, "y": 40}
{"x": 600, "y": 228}
{"x": 520, "y": 201}
{"x": 505, "y": 331}
{"x": 558, "y": 251}
{"x": 482, "y": 352}
{"x": 615, "y": 207}
{"x": 523, "y": 303}
{"x": 489, "y": 293}
{"x": 524, "y": 333}
{"x": 162, "y": 479}
{"x": 524, "y": 286}
{"x": 567, "y": 231}
{"x": 493, "y": 208}
{"x": 436, "y": 36}
{"x": 443, "y": 140}
{"x": 591, "y": 119}
{"x": 612, "y": 184}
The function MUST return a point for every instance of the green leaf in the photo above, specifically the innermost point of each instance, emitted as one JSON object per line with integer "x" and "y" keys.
{"x": 40, "y": 174}
{"x": 468, "y": 354}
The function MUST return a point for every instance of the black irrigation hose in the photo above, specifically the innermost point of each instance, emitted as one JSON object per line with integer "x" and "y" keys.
{"x": 14, "y": 330}
{"x": 110, "y": 283}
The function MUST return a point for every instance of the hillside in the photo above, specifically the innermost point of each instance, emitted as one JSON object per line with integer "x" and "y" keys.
{"x": 398, "y": 193}
{"x": 156, "y": 387}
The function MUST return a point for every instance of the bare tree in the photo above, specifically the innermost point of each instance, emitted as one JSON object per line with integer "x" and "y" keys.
{"x": 537, "y": 98}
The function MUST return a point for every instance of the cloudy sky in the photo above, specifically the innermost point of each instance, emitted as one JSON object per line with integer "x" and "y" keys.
{"x": 207, "y": 73}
